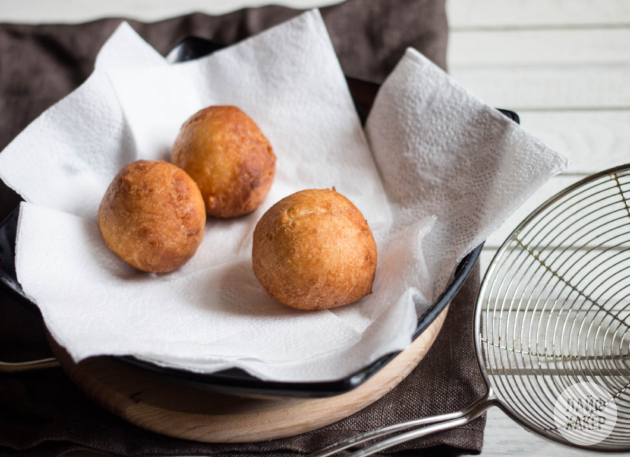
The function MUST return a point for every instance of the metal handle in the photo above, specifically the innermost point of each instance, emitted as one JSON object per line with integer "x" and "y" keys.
{"x": 441, "y": 423}
{"x": 33, "y": 365}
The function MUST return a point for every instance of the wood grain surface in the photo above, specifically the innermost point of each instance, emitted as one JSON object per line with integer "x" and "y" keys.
{"x": 534, "y": 14}
{"x": 181, "y": 411}
{"x": 539, "y": 47}
{"x": 549, "y": 88}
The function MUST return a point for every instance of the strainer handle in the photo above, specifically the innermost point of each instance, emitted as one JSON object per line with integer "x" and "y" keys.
{"x": 31, "y": 365}
{"x": 440, "y": 423}
{"x": 8, "y": 367}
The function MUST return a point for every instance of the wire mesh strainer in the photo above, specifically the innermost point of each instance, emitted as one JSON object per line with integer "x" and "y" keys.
{"x": 553, "y": 312}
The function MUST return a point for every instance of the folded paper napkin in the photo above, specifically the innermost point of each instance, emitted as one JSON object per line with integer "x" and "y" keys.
{"x": 441, "y": 171}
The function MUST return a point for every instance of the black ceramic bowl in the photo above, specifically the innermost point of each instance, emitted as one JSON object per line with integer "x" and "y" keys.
{"x": 236, "y": 381}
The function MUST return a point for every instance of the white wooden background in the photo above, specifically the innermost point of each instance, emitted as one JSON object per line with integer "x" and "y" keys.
{"x": 563, "y": 65}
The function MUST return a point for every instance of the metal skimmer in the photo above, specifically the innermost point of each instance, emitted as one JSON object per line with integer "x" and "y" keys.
{"x": 553, "y": 311}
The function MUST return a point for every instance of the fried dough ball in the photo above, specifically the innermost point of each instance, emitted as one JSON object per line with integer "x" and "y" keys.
{"x": 152, "y": 216}
{"x": 229, "y": 158}
{"x": 314, "y": 250}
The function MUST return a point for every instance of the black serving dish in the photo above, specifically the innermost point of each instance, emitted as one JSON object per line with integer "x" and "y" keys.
{"x": 236, "y": 381}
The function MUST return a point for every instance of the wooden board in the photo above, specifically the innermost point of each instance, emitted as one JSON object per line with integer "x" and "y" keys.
{"x": 514, "y": 14}
{"x": 176, "y": 410}
{"x": 557, "y": 56}
{"x": 539, "y": 47}
{"x": 547, "y": 88}
{"x": 552, "y": 187}
{"x": 591, "y": 140}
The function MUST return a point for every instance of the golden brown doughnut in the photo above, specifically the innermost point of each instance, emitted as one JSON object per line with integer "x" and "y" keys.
{"x": 229, "y": 158}
{"x": 314, "y": 250}
{"x": 152, "y": 216}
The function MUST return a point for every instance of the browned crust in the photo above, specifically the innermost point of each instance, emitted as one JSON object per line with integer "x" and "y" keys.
{"x": 152, "y": 216}
{"x": 229, "y": 158}
{"x": 314, "y": 250}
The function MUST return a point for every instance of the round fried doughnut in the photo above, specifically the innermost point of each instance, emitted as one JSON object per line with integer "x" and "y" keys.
{"x": 314, "y": 250}
{"x": 152, "y": 216}
{"x": 229, "y": 158}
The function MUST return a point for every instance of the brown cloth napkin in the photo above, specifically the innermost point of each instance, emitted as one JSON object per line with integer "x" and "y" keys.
{"x": 43, "y": 413}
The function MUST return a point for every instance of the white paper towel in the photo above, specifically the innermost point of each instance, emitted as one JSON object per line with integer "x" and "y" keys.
{"x": 212, "y": 313}
{"x": 67, "y": 157}
{"x": 442, "y": 151}
{"x": 289, "y": 81}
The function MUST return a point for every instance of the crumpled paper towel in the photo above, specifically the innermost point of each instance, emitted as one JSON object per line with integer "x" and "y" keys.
{"x": 66, "y": 158}
{"x": 442, "y": 151}
{"x": 442, "y": 172}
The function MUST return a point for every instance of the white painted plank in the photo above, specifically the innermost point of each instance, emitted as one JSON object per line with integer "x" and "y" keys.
{"x": 462, "y": 13}
{"x": 536, "y": 13}
{"x": 549, "y": 88}
{"x": 74, "y": 11}
{"x": 504, "y": 437}
{"x": 612, "y": 232}
{"x": 539, "y": 47}
{"x": 591, "y": 140}
{"x": 552, "y": 187}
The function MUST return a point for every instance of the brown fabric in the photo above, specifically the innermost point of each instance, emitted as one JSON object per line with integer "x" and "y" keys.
{"x": 43, "y": 413}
